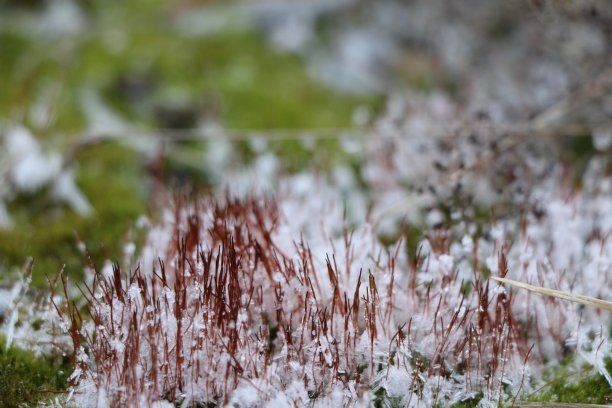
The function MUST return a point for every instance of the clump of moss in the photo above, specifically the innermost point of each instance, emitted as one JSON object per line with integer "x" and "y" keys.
{"x": 469, "y": 403}
{"x": 233, "y": 78}
{"x": 591, "y": 389}
{"x": 111, "y": 177}
{"x": 26, "y": 380}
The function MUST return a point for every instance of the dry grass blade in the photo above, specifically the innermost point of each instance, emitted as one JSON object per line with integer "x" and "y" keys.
{"x": 585, "y": 300}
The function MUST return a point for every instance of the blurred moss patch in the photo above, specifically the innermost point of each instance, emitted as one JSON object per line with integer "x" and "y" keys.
{"x": 111, "y": 177}
{"x": 149, "y": 73}
{"x": 26, "y": 380}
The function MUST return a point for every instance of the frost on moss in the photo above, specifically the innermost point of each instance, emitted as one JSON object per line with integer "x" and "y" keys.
{"x": 252, "y": 288}
{"x": 297, "y": 293}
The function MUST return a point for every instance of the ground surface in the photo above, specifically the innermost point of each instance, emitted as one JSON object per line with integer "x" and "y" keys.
{"x": 85, "y": 78}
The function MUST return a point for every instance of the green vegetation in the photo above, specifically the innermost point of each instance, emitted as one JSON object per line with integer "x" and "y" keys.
{"x": 154, "y": 75}
{"x": 111, "y": 178}
{"x": 26, "y": 380}
{"x": 471, "y": 403}
{"x": 151, "y": 75}
{"x": 585, "y": 389}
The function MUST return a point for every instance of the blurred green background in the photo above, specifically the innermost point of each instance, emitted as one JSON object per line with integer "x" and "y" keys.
{"x": 75, "y": 69}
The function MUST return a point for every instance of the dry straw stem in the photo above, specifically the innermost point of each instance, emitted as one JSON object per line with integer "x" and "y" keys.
{"x": 585, "y": 300}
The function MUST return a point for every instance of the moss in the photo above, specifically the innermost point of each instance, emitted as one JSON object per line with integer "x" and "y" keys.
{"x": 234, "y": 78}
{"x": 111, "y": 178}
{"x": 577, "y": 150}
{"x": 12, "y": 45}
{"x": 27, "y": 380}
{"x": 22, "y": 4}
{"x": 469, "y": 403}
{"x": 381, "y": 399}
{"x": 50, "y": 243}
{"x": 231, "y": 77}
{"x": 590, "y": 389}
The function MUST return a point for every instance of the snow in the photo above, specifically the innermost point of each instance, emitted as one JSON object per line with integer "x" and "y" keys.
{"x": 30, "y": 168}
{"x": 65, "y": 189}
{"x": 6, "y": 222}
{"x": 101, "y": 118}
{"x": 602, "y": 139}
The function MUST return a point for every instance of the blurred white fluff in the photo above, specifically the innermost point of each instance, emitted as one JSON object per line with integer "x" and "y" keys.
{"x": 30, "y": 169}
{"x": 6, "y": 222}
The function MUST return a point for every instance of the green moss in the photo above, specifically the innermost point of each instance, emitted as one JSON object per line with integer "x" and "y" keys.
{"x": 27, "y": 380}
{"x": 50, "y": 243}
{"x": 231, "y": 77}
{"x": 469, "y": 403}
{"x": 234, "y": 78}
{"x": 577, "y": 150}
{"x": 12, "y": 45}
{"x": 111, "y": 178}
{"x": 589, "y": 389}
{"x": 381, "y": 399}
